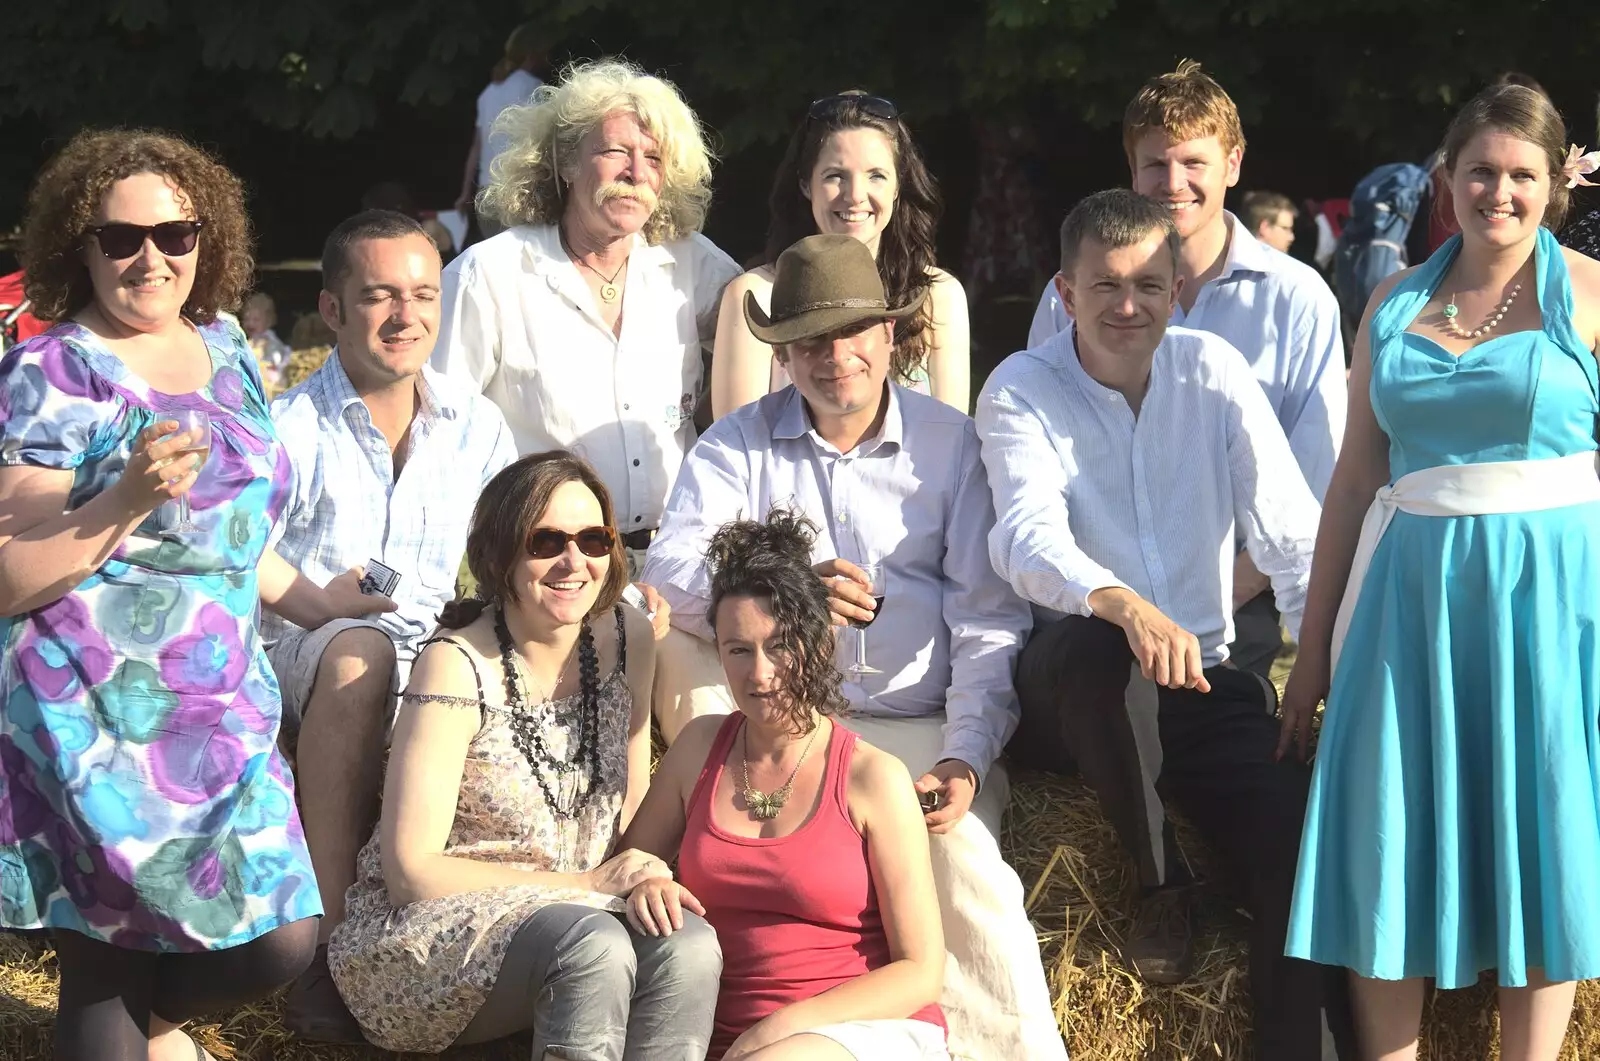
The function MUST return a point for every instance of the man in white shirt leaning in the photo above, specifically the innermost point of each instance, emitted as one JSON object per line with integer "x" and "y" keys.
{"x": 584, "y": 320}
{"x": 1124, "y": 457}
{"x": 892, "y": 478}
{"x": 1185, "y": 146}
{"x": 388, "y": 457}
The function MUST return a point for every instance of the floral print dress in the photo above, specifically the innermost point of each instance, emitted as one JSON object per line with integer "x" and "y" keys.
{"x": 143, "y": 801}
{"x": 416, "y": 975}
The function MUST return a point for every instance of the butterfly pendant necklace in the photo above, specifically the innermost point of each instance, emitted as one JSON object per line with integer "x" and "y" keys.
{"x": 765, "y": 806}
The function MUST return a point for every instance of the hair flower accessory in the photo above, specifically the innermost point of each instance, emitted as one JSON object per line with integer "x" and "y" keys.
{"x": 1578, "y": 164}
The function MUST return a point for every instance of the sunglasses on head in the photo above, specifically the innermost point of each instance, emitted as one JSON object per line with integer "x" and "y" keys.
{"x": 877, "y": 106}
{"x": 120, "y": 240}
{"x": 547, "y": 543}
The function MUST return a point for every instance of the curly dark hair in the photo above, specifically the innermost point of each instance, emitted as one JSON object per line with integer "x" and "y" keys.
{"x": 906, "y": 250}
{"x": 70, "y": 188}
{"x": 508, "y": 512}
{"x": 772, "y": 560}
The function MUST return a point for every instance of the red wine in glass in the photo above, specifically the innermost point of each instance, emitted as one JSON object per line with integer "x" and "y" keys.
{"x": 862, "y": 624}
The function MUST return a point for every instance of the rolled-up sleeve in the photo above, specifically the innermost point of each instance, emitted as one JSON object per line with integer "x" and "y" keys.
{"x": 1272, "y": 504}
{"x": 712, "y": 488}
{"x": 1031, "y": 545}
{"x": 469, "y": 327}
{"x": 988, "y": 624}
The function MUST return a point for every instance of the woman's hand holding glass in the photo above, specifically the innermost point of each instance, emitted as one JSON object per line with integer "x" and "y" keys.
{"x": 162, "y": 467}
{"x": 656, "y": 905}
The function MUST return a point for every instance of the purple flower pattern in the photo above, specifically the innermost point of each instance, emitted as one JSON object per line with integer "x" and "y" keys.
{"x": 143, "y": 800}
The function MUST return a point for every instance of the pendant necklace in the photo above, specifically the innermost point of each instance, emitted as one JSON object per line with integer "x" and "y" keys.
{"x": 766, "y": 807}
{"x": 608, "y": 284}
{"x": 1452, "y": 311}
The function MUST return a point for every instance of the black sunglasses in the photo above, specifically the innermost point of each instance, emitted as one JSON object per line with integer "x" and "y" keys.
{"x": 120, "y": 240}
{"x": 877, "y": 106}
{"x": 547, "y": 543}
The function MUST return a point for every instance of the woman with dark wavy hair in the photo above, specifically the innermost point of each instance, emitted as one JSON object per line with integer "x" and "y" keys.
{"x": 803, "y": 845}
{"x": 852, "y": 168}
{"x": 147, "y": 820}
{"x": 488, "y": 900}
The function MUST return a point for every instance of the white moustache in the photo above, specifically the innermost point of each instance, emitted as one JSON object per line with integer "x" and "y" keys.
{"x": 622, "y": 190}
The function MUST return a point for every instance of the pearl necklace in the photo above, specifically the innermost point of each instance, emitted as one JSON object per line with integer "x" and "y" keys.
{"x": 1451, "y": 311}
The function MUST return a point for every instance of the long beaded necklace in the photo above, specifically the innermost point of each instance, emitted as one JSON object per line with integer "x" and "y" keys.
{"x": 766, "y": 807}
{"x": 527, "y": 739}
{"x": 1452, "y": 311}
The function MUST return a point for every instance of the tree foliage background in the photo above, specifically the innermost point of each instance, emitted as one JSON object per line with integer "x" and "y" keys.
{"x": 311, "y": 100}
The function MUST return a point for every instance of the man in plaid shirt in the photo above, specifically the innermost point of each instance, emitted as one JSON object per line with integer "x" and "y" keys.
{"x": 389, "y": 458}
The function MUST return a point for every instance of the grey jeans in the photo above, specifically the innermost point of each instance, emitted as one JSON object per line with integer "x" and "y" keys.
{"x": 592, "y": 989}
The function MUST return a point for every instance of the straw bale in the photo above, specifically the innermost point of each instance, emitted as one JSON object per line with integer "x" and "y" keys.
{"x": 1078, "y": 886}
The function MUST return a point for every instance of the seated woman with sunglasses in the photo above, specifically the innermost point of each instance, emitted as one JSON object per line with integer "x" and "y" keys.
{"x": 147, "y": 820}
{"x": 488, "y": 900}
{"x": 813, "y": 868}
{"x": 853, "y": 169}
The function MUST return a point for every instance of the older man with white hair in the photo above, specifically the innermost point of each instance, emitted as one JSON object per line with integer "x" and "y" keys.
{"x": 584, "y": 320}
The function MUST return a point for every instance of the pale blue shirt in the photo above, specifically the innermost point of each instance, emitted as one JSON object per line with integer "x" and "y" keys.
{"x": 1089, "y": 496}
{"x": 348, "y": 507}
{"x": 1282, "y": 316}
{"x": 949, "y": 631}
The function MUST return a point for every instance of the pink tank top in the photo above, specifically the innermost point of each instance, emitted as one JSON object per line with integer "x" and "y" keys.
{"x": 797, "y": 914}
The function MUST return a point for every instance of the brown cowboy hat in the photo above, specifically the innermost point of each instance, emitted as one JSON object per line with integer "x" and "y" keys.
{"x": 824, "y": 283}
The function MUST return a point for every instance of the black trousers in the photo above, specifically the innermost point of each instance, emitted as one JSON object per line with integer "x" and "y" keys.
{"x": 1257, "y": 635}
{"x": 1209, "y": 754}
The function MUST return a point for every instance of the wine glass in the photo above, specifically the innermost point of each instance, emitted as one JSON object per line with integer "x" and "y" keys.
{"x": 197, "y": 425}
{"x": 873, "y": 572}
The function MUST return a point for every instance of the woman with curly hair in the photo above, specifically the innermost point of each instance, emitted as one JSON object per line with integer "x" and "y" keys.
{"x": 147, "y": 820}
{"x": 852, "y": 168}
{"x": 803, "y": 845}
{"x": 584, "y": 320}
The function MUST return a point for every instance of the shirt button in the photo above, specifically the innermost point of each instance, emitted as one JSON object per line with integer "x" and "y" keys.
{"x": 638, "y": 519}
{"x": 625, "y": 406}
{"x": 843, "y": 518}
{"x": 636, "y": 462}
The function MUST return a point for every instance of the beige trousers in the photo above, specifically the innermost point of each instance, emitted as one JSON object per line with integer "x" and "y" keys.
{"x": 995, "y": 996}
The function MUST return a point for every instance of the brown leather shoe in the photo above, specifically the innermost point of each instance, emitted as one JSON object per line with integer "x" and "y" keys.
{"x": 315, "y": 1011}
{"x": 1160, "y": 946}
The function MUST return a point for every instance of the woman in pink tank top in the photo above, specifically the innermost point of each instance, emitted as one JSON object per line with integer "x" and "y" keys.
{"x": 802, "y": 845}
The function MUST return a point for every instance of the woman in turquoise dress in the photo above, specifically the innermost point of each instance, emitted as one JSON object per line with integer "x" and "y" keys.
{"x": 1454, "y": 819}
{"x": 147, "y": 820}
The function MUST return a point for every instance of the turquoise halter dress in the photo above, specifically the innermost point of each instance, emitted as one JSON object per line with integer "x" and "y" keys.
{"x": 1454, "y": 818}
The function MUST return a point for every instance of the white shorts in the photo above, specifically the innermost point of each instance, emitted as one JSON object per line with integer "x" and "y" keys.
{"x": 887, "y": 1040}
{"x": 295, "y": 658}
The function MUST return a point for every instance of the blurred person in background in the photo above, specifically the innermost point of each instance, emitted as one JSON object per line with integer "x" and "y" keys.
{"x": 511, "y": 83}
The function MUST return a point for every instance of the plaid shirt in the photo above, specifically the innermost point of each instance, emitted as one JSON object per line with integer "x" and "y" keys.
{"x": 348, "y": 507}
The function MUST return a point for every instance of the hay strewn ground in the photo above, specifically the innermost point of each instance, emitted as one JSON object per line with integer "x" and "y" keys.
{"x": 1077, "y": 882}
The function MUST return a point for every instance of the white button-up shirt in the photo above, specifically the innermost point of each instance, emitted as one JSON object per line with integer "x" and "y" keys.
{"x": 915, "y": 497}
{"x": 1282, "y": 316}
{"x": 348, "y": 506}
{"x": 1089, "y": 496}
{"x": 521, "y": 325}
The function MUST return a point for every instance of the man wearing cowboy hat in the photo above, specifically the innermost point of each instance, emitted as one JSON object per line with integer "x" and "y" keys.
{"x": 895, "y": 478}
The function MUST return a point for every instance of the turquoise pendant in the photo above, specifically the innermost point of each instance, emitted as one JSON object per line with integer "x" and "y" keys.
{"x": 1450, "y": 311}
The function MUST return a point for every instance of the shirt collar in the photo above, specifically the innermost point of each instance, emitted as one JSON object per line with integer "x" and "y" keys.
{"x": 333, "y": 393}
{"x": 1246, "y": 254}
{"x": 542, "y": 247}
{"x": 795, "y": 422}
{"x": 1063, "y": 349}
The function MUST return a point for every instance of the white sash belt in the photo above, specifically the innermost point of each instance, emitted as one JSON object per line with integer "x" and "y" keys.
{"x": 1465, "y": 490}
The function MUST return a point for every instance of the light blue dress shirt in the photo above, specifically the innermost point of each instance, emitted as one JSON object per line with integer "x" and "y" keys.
{"x": 1282, "y": 316}
{"x": 348, "y": 506}
{"x": 914, "y": 496}
{"x": 1089, "y": 496}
